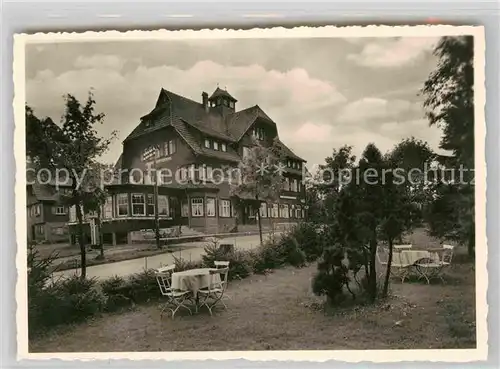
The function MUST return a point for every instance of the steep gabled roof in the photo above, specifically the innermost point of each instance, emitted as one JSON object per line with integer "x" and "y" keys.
{"x": 240, "y": 122}
{"x": 289, "y": 153}
{"x": 221, "y": 93}
{"x": 185, "y": 115}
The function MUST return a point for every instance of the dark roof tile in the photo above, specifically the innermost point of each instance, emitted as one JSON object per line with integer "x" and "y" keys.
{"x": 220, "y": 92}
{"x": 184, "y": 114}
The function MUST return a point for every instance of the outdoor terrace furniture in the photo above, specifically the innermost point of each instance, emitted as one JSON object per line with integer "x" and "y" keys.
{"x": 435, "y": 263}
{"x": 194, "y": 281}
{"x": 175, "y": 298}
{"x": 402, "y": 247}
{"x": 214, "y": 294}
{"x": 400, "y": 266}
{"x": 168, "y": 268}
{"x": 221, "y": 264}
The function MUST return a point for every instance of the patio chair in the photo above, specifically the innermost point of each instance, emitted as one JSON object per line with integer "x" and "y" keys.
{"x": 215, "y": 291}
{"x": 400, "y": 266}
{"x": 175, "y": 298}
{"x": 221, "y": 264}
{"x": 447, "y": 255}
{"x": 433, "y": 267}
{"x": 382, "y": 258}
{"x": 169, "y": 268}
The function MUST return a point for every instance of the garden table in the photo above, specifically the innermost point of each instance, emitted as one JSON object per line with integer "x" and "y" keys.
{"x": 193, "y": 280}
{"x": 427, "y": 263}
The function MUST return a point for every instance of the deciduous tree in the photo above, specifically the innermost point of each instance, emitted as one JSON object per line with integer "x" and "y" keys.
{"x": 74, "y": 145}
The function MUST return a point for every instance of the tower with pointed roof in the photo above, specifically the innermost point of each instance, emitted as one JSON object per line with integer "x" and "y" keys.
{"x": 222, "y": 101}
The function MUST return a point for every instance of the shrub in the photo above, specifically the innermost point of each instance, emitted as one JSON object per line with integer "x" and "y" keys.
{"x": 183, "y": 264}
{"x": 308, "y": 240}
{"x": 268, "y": 256}
{"x": 240, "y": 262}
{"x": 141, "y": 287}
{"x": 212, "y": 253}
{"x": 117, "y": 292}
{"x": 332, "y": 275}
{"x": 291, "y": 252}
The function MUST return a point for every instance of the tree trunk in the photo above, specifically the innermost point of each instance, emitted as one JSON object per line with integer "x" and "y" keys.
{"x": 99, "y": 225}
{"x": 259, "y": 221}
{"x": 471, "y": 244}
{"x": 388, "y": 271}
{"x": 81, "y": 241}
{"x": 372, "y": 278}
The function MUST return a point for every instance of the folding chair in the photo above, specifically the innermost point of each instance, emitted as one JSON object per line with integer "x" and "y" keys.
{"x": 400, "y": 265}
{"x": 382, "y": 258}
{"x": 221, "y": 264}
{"x": 216, "y": 289}
{"x": 175, "y": 298}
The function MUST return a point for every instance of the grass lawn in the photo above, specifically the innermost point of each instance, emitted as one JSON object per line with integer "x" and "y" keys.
{"x": 279, "y": 312}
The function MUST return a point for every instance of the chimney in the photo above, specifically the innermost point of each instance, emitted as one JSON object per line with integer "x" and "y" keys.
{"x": 204, "y": 99}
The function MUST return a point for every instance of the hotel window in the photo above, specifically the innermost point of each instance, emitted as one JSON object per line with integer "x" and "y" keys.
{"x": 138, "y": 204}
{"x": 150, "y": 205}
{"x": 295, "y": 185}
{"x": 37, "y": 210}
{"x": 216, "y": 145}
{"x": 207, "y": 143}
{"x": 246, "y": 152}
{"x": 298, "y": 212}
{"x": 59, "y": 210}
{"x": 197, "y": 207}
{"x": 292, "y": 210}
{"x": 284, "y": 212}
{"x": 108, "y": 208}
{"x": 184, "y": 209}
{"x": 163, "y": 205}
{"x": 263, "y": 210}
{"x": 210, "y": 207}
{"x": 258, "y": 133}
{"x": 275, "y": 211}
{"x": 172, "y": 148}
{"x": 169, "y": 148}
{"x": 286, "y": 184}
{"x": 72, "y": 213}
{"x": 202, "y": 172}
{"x": 122, "y": 204}
{"x": 224, "y": 208}
{"x": 209, "y": 172}
{"x": 40, "y": 229}
{"x": 183, "y": 174}
{"x": 223, "y": 147}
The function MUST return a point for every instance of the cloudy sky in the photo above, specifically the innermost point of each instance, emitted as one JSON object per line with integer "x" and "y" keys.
{"x": 322, "y": 93}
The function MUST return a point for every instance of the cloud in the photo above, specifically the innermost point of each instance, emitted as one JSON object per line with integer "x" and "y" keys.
{"x": 374, "y": 109}
{"x": 100, "y": 61}
{"x": 125, "y": 94}
{"x": 313, "y": 133}
{"x": 390, "y": 53}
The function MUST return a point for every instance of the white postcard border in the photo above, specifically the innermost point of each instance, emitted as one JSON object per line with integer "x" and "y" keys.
{"x": 465, "y": 355}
